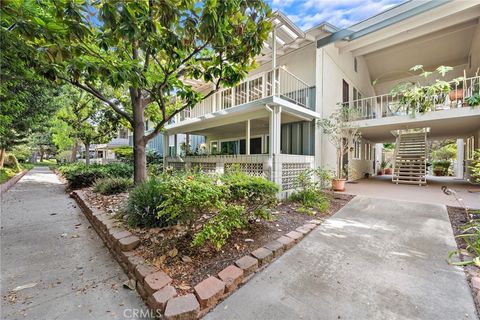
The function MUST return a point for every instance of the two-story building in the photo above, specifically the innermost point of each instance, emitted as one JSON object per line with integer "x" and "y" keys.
{"x": 267, "y": 124}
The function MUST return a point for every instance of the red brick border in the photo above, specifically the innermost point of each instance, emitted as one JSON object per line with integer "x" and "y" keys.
{"x": 153, "y": 285}
{"x": 4, "y": 187}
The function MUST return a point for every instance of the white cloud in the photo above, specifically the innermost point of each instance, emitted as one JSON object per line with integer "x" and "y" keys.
{"x": 340, "y": 13}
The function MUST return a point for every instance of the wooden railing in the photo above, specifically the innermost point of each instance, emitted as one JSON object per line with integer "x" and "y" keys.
{"x": 388, "y": 105}
{"x": 277, "y": 82}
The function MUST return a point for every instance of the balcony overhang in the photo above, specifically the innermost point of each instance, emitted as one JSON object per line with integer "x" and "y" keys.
{"x": 452, "y": 123}
{"x": 252, "y": 110}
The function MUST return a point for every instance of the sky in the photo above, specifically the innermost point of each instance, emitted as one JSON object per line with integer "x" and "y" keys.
{"x": 340, "y": 13}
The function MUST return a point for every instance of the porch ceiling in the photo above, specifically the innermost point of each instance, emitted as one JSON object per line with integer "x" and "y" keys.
{"x": 440, "y": 128}
{"x": 449, "y": 46}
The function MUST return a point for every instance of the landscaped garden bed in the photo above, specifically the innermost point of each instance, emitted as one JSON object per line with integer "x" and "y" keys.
{"x": 193, "y": 235}
{"x": 187, "y": 265}
{"x": 466, "y": 228}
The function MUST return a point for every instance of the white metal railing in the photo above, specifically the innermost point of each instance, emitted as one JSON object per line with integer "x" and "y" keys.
{"x": 277, "y": 82}
{"x": 388, "y": 105}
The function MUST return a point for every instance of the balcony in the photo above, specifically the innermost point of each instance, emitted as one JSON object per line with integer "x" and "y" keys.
{"x": 387, "y": 105}
{"x": 273, "y": 83}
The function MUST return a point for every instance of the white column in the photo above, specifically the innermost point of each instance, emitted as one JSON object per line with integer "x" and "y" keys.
{"x": 274, "y": 48}
{"x": 275, "y": 139}
{"x": 460, "y": 162}
{"x": 165, "y": 150}
{"x": 247, "y": 138}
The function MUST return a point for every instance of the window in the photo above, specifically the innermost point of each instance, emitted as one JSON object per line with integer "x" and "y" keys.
{"x": 368, "y": 151}
{"x": 146, "y": 125}
{"x": 355, "y": 64}
{"x": 229, "y": 147}
{"x": 470, "y": 148}
{"x": 345, "y": 89}
{"x": 357, "y": 147}
{"x": 214, "y": 147}
{"x": 123, "y": 133}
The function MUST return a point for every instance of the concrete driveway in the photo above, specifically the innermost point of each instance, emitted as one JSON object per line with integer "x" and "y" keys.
{"x": 375, "y": 259}
{"x": 49, "y": 249}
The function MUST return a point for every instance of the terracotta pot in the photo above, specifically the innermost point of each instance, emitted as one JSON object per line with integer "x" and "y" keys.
{"x": 388, "y": 171}
{"x": 456, "y": 94}
{"x": 338, "y": 184}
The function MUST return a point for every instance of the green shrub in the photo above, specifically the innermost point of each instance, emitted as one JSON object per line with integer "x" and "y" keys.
{"x": 218, "y": 204}
{"x": 255, "y": 193}
{"x": 143, "y": 203}
{"x": 154, "y": 169}
{"x": 80, "y": 175}
{"x": 124, "y": 154}
{"x": 109, "y": 186}
{"x": 12, "y": 162}
{"x": 309, "y": 192}
{"x": 6, "y": 174}
{"x": 441, "y": 167}
{"x": 219, "y": 228}
{"x": 475, "y": 167}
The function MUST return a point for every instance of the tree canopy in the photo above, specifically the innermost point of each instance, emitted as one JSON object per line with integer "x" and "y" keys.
{"x": 27, "y": 100}
{"x": 149, "y": 52}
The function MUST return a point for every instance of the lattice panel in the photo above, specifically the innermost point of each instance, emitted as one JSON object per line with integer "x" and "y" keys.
{"x": 290, "y": 172}
{"x": 207, "y": 167}
{"x": 177, "y": 165}
{"x": 253, "y": 169}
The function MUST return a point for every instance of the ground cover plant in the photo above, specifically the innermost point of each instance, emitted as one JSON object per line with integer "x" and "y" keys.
{"x": 112, "y": 185}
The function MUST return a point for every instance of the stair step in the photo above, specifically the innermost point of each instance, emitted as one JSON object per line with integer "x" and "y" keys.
{"x": 410, "y": 182}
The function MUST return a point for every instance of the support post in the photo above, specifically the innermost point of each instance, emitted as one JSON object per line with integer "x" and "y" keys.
{"x": 460, "y": 159}
{"x": 175, "y": 144}
{"x": 247, "y": 138}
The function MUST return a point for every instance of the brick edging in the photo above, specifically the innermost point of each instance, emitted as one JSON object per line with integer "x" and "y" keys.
{"x": 153, "y": 285}
{"x": 4, "y": 187}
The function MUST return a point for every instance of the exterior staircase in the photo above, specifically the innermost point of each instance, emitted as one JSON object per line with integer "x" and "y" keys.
{"x": 410, "y": 156}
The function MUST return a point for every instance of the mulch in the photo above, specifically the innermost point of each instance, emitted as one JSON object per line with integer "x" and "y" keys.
{"x": 170, "y": 248}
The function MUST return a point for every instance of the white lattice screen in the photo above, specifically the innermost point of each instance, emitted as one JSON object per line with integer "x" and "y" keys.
{"x": 253, "y": 169}
{"x": 290, "y": 172}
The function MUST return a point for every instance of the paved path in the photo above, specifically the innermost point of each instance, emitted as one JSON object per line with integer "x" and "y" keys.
{"x": 46, "y": 241}
{"x": 382, "y": 187}
{"x": 375, "y": 259}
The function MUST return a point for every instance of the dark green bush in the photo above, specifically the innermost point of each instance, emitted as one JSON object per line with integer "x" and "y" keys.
{"x": 112, "y": 185}
{"x": 144, "y": 202}
{"x": 80, "y": 175}
{"x": 441, "y": 167}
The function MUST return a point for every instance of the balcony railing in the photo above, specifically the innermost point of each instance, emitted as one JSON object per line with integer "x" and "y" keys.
{"x": 388, "y": 105}
{"x": 277, "y": 82}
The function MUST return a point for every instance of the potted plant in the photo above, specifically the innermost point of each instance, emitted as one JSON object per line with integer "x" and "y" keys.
{"x": 414, "y": 97}
{"x": 341, "y": 132}
{"x": 388, "y": 168}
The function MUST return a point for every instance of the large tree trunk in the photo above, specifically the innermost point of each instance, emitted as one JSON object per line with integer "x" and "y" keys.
{"x": 87, "y": 153}
{"x": 2, "y": 157}
{"x": 139, "y": 143}
{"x": 42, "y": 154}
{"x": 73, "y": 157}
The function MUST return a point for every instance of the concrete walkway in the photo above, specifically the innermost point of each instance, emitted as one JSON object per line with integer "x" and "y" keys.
{"x": 375, "y": 259}
{"x": 382, "y": 187}
{"x": 47, "y": 243}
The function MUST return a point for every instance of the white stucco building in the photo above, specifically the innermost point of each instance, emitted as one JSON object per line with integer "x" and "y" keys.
{"x": 267, "y": 123}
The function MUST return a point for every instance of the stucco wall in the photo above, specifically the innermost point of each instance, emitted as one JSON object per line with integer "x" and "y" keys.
{"x": 300, "y": 62}
{"x": 332, "y": 68}
{"x": 474, "y": 53}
